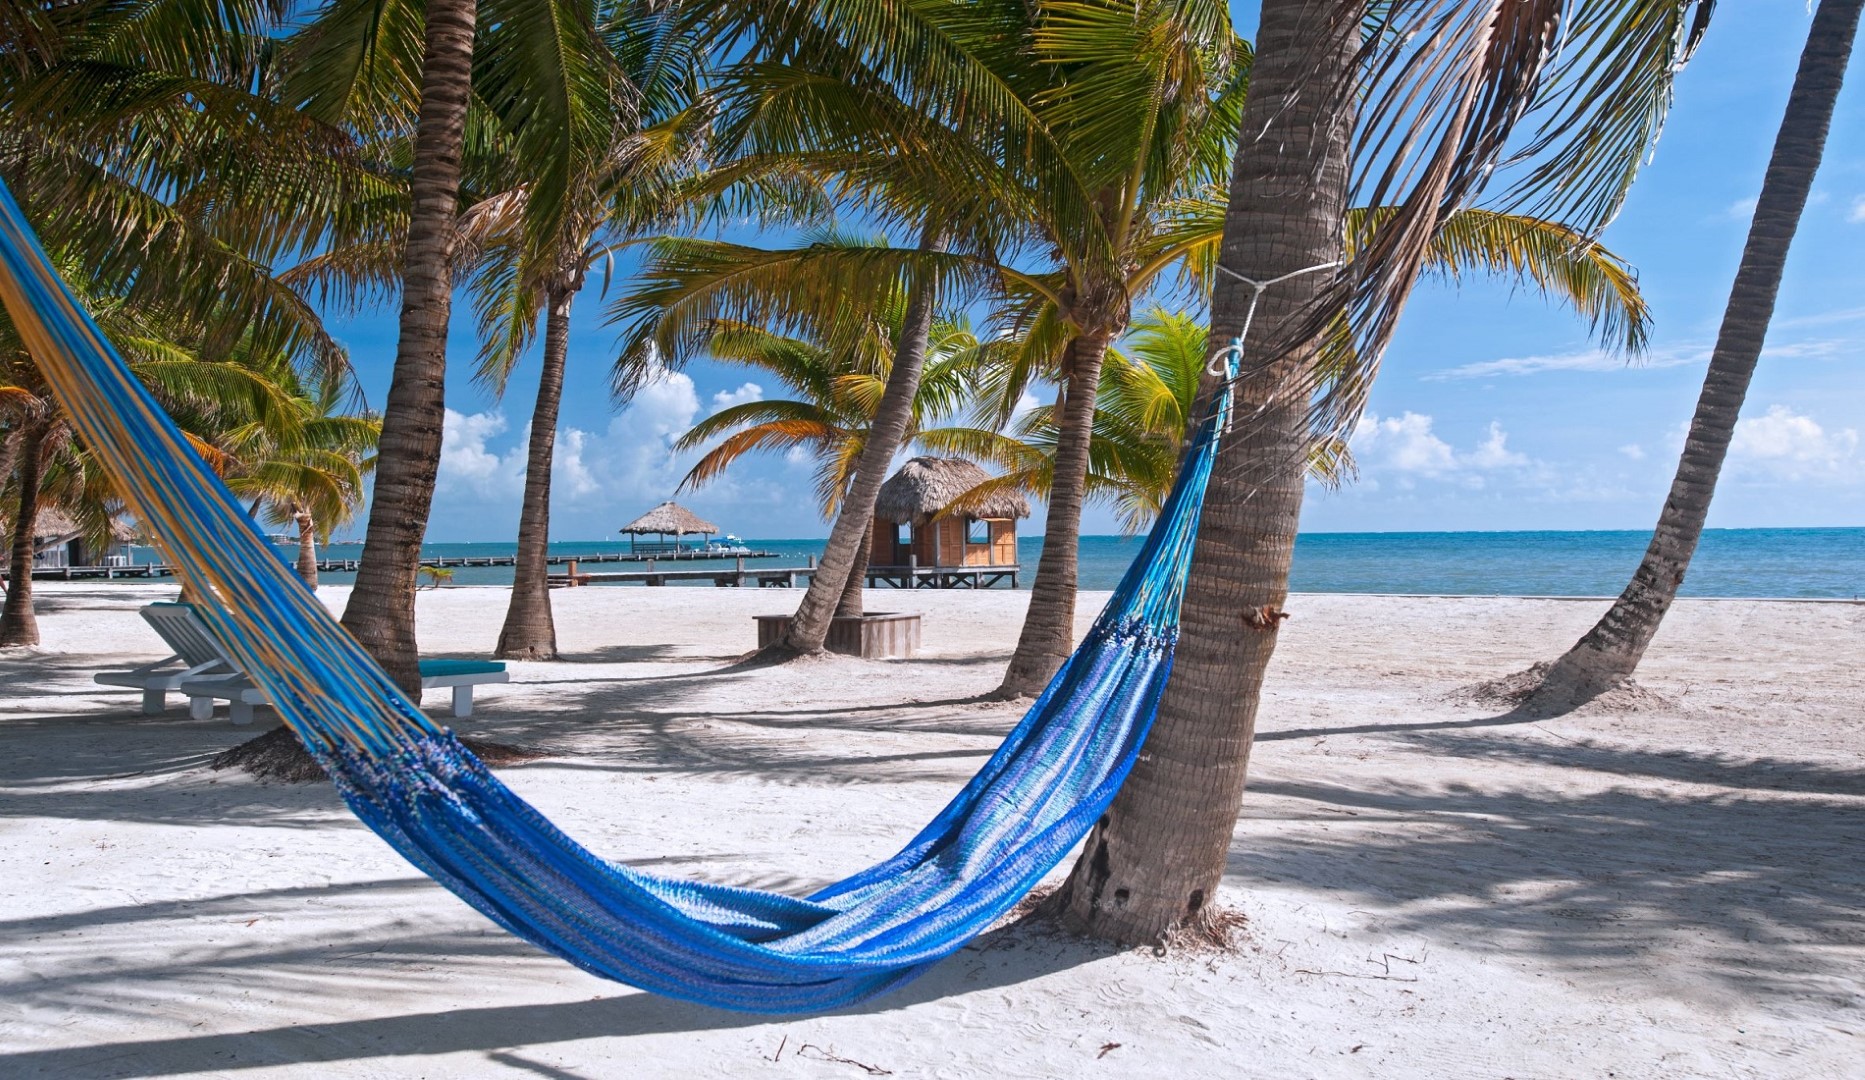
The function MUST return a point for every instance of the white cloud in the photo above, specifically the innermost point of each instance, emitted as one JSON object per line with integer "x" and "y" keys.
{"x": 1741, "y": 209}
{"x": 1677, "y": 356}
{"x": 1588, "y": 360}
{"x": 631, "y": 461}
{"x": 464, "y": 460}
{"x": 1633, "y": 451}
{"x": 1494, "y": 452}
{"x": 1786, "y": 445}
{"x": 570, "y": 476}
{"x": 1856, "y": 213}
{"x": 725, "y": 399}
{"x": 1407, "y": 444}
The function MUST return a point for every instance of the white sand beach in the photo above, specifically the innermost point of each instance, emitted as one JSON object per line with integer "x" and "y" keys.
{"x": 1669, "y": 885}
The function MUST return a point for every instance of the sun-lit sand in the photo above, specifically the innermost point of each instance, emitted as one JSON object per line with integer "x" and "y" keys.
{"x": 1668, "y": 886}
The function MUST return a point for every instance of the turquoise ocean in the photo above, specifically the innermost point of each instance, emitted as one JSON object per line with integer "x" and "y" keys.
{"x": 1827, "y": 563}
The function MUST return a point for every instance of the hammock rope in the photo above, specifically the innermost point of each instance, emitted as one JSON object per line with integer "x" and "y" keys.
{"x": 413, "y": 783}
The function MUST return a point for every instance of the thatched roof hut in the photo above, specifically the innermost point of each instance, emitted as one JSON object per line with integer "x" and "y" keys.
{"x": 927, "y": 485}
{"x": 669, "y": 519}
{"x": 54, "y": 525}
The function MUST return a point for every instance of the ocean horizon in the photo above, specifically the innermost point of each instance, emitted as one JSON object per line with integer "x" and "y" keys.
{"x": 1805, "y": 563}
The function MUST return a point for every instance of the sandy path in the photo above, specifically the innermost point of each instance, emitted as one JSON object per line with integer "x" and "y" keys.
{"x": 1673, "y": 890}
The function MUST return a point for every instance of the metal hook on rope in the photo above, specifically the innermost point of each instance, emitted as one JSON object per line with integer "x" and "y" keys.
{"x": 1226, "y": 365}
{"x": 1249, "y": 314}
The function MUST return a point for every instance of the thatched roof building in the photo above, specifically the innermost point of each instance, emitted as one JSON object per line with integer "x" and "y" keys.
{"x": 927, "y": 485}
{"x": 54, "y": 525}
{"x": 669, "y": 519}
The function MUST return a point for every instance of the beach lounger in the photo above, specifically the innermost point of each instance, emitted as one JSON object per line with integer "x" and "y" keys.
{"x": 220, "y": 679}
{"x": 197, "y": 656}
{"x": 241, "y": 695}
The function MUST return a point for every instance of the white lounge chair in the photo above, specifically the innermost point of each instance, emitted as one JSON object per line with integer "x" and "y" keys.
{"x": 241, "y": 694}
{"x": 197, "y": 656}
{"x": 181, "y": 626}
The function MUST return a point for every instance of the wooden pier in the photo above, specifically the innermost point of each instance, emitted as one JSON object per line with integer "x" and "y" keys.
{"x": 338, "y": 566}
{"x": 942, "y": 577}
{"x": 688, "y": 555}
{"x": 736, "y": 576}
{"x": 787, "y": 577}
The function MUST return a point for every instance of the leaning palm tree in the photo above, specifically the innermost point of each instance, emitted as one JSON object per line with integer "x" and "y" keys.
{"x": 1609, "y": 653}
{"x": 839, "y": 381}
{"x": 955, "y": 122}
{"x": 1430, "y": 97}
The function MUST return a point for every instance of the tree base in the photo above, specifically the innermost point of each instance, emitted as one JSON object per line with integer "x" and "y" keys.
{"x": 526, "y": 652}
{"x": 880, "y": 635}
{"x": 1216, "y": 929}
{"x": 278, "y": 755}
{"x": 1545, "y": 691}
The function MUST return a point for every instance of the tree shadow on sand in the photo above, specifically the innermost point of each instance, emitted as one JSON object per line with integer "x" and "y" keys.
{"x": 1001, "y": 957}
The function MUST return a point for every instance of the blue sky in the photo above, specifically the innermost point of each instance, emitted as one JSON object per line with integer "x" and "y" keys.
{"x": 1493, "y": 411}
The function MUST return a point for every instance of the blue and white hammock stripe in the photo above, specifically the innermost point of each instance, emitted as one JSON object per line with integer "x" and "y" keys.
{"x": 414, "y": 784}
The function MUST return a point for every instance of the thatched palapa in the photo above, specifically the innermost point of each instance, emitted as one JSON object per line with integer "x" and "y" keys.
{"x": 927, "y": 485}
{"x": 54, "y": 525}
{"x": 669, "y": 519}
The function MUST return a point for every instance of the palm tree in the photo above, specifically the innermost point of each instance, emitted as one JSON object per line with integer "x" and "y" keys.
{"x": 1146, "y": 399}
{"x": 955, "y": 122}
{"x": 1431, "y": 115}
{"x": 381, "y": 609}
{"x": 655, "y": 129}
{"x": 840, "y": 382}
{"x": 35, "y": 432}
{"x": 1609, "y": 653}
{"x": 306, "y": 468}
{"x": 689, "y": 287}
{"x": 520, "y": 80}
{"x": 209, "y": 400}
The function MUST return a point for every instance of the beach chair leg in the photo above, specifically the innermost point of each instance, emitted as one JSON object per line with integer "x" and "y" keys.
{"x": 154, "y": 702}
{"x": 240, "y": 712}
{"x": 200, "y": 708}
{"x": 462, "y": 702}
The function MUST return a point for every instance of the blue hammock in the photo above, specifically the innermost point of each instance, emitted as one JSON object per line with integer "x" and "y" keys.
{"x": 419, "y": 789}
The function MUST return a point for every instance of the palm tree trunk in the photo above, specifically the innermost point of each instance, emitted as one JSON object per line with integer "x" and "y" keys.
{"x": 18, "y": 624}
{"x": 381, "y": 609}
{"x": 810, "y": 627}
{"x": 307, "y": 549}
{"x": 530, "y": 633}
{"x": 1610, "y": 652}
{"x": 852, "y": 605}
{"x": 1154, "y": 861}
{"x": 1049, "y": 628}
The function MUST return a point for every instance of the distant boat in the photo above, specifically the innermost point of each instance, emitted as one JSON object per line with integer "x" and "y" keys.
{"x": 727, "y": 545}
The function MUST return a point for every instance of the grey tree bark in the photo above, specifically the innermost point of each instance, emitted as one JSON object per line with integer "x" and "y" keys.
{"x": 307, "y": 548}
{"x": 1154, "y": 861}
{"x": 19, "y": 625}
{"x": 1048, "y": 633}
{"x": 809, "y": 629}
{"x": 853, "y": 602}
{"x": 1610, "y": 652}
{"x": 530, "y": 631}
{"x": 381, "y": 609}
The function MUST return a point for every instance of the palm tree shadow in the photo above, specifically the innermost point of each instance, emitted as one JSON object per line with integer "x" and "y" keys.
{"x": 1012, "y": 954}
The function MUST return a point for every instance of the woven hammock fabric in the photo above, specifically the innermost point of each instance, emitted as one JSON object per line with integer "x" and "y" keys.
{"x": 418, "y": 788}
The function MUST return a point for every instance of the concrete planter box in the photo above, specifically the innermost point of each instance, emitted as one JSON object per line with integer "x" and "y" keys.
{"x": 884, "y": 635}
